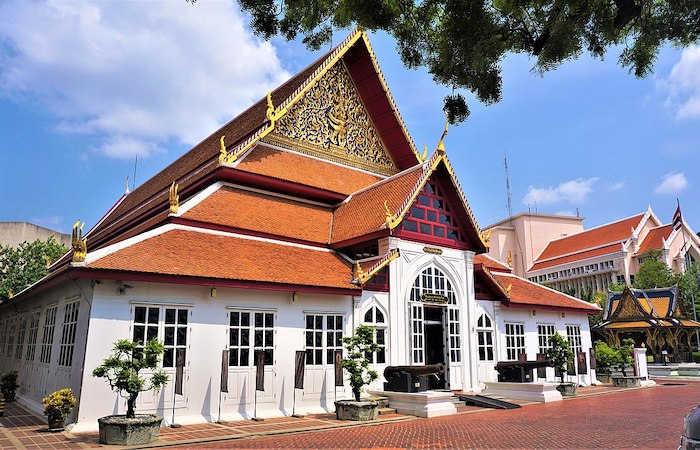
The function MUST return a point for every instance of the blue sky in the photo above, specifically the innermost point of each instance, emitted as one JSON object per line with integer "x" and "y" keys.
{"x": 106, "y": 82}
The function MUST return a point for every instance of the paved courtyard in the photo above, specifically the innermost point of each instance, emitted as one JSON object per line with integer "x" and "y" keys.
{"x": 643, "y": 418}
{"x": 600, "y": 417}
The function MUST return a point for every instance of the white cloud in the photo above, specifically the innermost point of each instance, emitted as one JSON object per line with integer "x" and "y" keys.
{"x": 683, "y": 84}
{"x": 135, "y": 74}
{"x": 672, "y": 183}
{"x": 574, "y": 192}
{"x": 614, "y": 187}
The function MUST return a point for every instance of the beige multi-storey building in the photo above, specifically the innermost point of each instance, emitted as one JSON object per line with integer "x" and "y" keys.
{"x": 557, "y": 251}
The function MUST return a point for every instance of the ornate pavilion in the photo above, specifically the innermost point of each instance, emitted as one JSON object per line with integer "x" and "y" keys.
{"x": 654, "y": 318}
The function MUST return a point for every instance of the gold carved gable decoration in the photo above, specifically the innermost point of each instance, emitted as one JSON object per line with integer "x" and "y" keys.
{"x": 330, "y": 122}
{"x": 628, "y": 307}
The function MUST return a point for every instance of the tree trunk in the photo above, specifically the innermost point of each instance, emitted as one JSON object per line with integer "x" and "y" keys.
{"x": 356, "y": 393}
{"x": 130, "y": 402}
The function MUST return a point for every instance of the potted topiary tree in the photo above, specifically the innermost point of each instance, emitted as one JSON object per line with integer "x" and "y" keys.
{"x": 606, "y": 359}
{"x": 8, "y": 385}
{"x": 626, "y": 359}
{"x": 57, "y": 406}
{"x": 121, "y": 370}
{"x": 560, "y": 354}
{"x": 357, "y": 348}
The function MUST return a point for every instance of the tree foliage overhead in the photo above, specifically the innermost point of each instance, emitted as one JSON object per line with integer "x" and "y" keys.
{"x": 462, "y": 42}
{"x": 26, "y": 264}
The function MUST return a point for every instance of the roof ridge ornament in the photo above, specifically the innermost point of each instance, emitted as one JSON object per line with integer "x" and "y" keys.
{"x": 486, "y": 237}
{"x": 441, "y": 144}
{"x": 78, "y": 242}
{"x": 391, "y": 219}
{"x": 363, "y": 277}
{"x": 222, "y": 152}
{"x": 173, "y": 198}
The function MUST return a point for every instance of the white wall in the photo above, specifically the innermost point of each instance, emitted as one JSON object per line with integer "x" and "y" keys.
{"x": 559, "y": 319}
{"x": 37, "y": 379}
{"x": 208, "y": 327}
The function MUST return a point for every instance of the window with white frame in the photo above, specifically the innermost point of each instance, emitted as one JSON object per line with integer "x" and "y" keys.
{"x": 33, "y": 333}
{"x": 544, "y": 332}
{"x": 70, "y": 325}
{"x": 47, "y": 336}
{"x": 3, "y": 336}
{"x": 433, "y": 281}
{"x": 250, "y": 331}
{"x": 515, "y": 340}
{"x": 318, "y": 326}
{"x": 166, "y": 324}
{"x": 11, "y": 336}
{"x": 374, "y": 317}
{"x": 21, "y": 333}
{"x": 484, "y": 333}
{"x": 573, "y": 335}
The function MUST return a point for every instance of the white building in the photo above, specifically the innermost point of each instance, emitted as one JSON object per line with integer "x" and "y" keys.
{"x": 309, "y": 214}
{"x": 557, "y": 251}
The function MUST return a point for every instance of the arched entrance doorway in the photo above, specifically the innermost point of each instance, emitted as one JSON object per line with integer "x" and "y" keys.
{"x": 435, "y": 327}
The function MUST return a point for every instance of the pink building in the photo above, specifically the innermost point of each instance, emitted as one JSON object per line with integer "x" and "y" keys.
{"x": 556, "y": 250}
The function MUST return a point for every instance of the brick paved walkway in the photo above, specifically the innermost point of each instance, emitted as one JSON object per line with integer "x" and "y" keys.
{"x": 644, "y": 418}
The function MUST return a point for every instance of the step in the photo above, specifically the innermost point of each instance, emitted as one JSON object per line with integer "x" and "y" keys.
{"x": 488, "y": 402}
{"x": 383, "y": 402}
{"x": 386, "y": 410}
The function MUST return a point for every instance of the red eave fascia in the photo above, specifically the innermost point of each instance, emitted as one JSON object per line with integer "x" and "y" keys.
{"x": 211, "y": 282}
{"x": 360, "y": 239}
{"x": 509, "y": 304}
{"x": 280, "y": 186}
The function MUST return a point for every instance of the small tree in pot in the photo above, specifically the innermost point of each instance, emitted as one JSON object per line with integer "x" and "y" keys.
{"x": 358, "y": 347}
{"x": 8, "y": 385}
{"x": 560, "y": 354}
{"x": 57, "y": 406}
{"x": 625, "y": 361}
{"x": 606, "y": 359}
{"x": 121, "y": 370}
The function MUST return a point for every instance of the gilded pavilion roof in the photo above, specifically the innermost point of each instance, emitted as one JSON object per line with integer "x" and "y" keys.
{"x": 639, "y": 309}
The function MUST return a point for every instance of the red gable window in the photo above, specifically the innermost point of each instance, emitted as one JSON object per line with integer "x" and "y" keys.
{"x": 431, "y": 217}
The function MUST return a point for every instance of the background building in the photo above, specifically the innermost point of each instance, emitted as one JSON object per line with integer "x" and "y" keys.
{"x": 14, "y": 233}
{"x": 555, "y": 250}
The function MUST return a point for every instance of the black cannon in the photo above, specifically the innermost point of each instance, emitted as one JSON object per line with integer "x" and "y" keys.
{"x": 519, "y": 371}
{"x": 410, "y": 378}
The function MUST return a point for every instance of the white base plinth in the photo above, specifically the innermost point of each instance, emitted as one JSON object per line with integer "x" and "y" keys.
{"x": 420, "y": 404}
{"x": 534, "y": 392}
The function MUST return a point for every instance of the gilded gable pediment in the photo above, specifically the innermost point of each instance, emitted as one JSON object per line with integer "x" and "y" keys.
{"x": 331, "y": 122}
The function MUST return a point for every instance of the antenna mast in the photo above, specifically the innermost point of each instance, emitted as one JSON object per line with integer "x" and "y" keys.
{"x": 509, "y": 200}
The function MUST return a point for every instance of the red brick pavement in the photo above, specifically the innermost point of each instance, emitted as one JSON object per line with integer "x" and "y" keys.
{"x": 643, "y": 418}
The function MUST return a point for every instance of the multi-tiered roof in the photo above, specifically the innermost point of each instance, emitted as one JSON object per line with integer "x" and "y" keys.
{"x": 293, "y": 194}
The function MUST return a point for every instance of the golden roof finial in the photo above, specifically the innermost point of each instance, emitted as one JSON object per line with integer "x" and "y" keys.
{"x": 390, "y": 217}
{"x": 510, "y": 259}
{"x": 441, "y": 145}
{"x": 424, "y": 156}
{"x": 78, "y": 242}
{"x": 509, "y": 288}
{"x": 358, "y": 269}
{"x": 174, "y": 198}
{"x": 222, "y": 152}
{"x": 270, "y": 113}
{"x": 486, "y": 237}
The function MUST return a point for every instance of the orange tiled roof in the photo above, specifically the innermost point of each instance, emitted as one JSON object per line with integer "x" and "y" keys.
{"x": 654, "y": 238}
{"x": 364, "y": 213}
{"x": 195, "y": 254}
{"x": 524, "y": 292}
{"x": 613, "y": 248}
{"x": 295, "y": 167}
{"x": 491, "y": 263}
{"x": 612, "y": 232}
{"x": 254, "y": 211}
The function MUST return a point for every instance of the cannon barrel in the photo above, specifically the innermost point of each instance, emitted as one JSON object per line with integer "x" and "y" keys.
{"x": 428, "y": 369}
{"x": 524, "y": 364}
